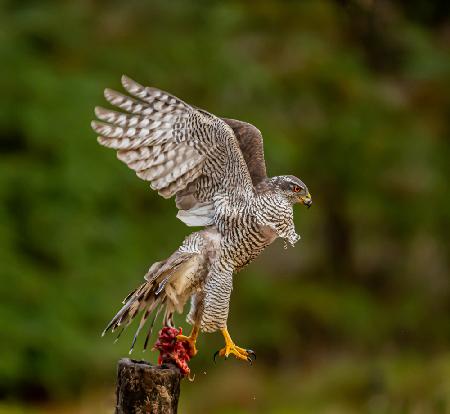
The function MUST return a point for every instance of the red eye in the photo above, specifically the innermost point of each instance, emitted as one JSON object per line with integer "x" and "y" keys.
{"x": 296, "y": 189}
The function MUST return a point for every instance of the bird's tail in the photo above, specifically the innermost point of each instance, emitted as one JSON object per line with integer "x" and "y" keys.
{"x": 150, "y": 297}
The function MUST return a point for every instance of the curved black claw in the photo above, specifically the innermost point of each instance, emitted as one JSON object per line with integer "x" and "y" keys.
{"x": 252, "y": 354}
{"x": 215, "y": 355}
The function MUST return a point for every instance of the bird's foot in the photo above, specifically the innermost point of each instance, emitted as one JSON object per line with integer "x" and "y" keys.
{"x": 191, "y": 340}
{"x": 231, "y": 349}
{"x": 240, "y": 353}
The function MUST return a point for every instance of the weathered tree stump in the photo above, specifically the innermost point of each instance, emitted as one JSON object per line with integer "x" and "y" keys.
{"x": 143, "y": 388}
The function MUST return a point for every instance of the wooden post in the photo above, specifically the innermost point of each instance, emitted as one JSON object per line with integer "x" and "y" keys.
{"x": 143, "y": 388}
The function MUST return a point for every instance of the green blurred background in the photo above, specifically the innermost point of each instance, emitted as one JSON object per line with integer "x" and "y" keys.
{"x": 351, "y": 96}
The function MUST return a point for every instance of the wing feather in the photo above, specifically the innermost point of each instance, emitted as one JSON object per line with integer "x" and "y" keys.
{"x": 251, "y": 144}
{"x": 176, "y": 147}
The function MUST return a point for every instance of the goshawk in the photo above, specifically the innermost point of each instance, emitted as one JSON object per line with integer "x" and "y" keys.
{"x": 215, "y": 168}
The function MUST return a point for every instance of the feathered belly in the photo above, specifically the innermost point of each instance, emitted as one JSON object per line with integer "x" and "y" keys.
{"x": 190, "y": 276}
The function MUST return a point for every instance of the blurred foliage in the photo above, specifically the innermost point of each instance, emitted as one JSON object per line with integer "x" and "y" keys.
{"x": 351, "y": 96}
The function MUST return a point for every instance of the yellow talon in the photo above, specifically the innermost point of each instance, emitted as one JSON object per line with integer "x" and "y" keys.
{"x": 191, "y": 339}
{"x": 232, "y": 349}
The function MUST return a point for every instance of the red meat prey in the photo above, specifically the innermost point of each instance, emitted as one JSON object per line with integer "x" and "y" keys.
{"x": 172, "y": 351}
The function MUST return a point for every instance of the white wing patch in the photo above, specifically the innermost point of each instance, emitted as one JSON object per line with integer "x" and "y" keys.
{"x": 201, "y": 214}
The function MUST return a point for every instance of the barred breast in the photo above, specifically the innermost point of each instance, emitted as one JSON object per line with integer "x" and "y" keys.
{"x": 247, "y": 228}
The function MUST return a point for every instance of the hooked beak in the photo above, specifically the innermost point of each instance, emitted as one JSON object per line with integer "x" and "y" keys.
{"x": 306, "y": 200}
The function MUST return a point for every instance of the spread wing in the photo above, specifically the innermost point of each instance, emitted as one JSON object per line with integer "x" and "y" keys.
{"x": 179, "y": 149}
{"x": 252, "y": 148}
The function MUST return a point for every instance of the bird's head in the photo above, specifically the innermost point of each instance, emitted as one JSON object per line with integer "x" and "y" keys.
{"x": 293, "y": 189}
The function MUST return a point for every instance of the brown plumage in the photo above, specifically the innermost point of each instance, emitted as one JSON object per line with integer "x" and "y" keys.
{"x": 251, "y": 145}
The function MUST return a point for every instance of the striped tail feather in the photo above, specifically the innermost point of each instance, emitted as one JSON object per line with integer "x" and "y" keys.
{"x": 149, "y": 298}
{"x": 144, "y": 297}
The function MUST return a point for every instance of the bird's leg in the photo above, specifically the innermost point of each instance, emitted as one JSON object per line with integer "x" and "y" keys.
{"x": 191, "y": 339}
{"x": 232, "y": 349}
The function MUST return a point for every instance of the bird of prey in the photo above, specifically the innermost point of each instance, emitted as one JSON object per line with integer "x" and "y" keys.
{"x": 215, "y": 169}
